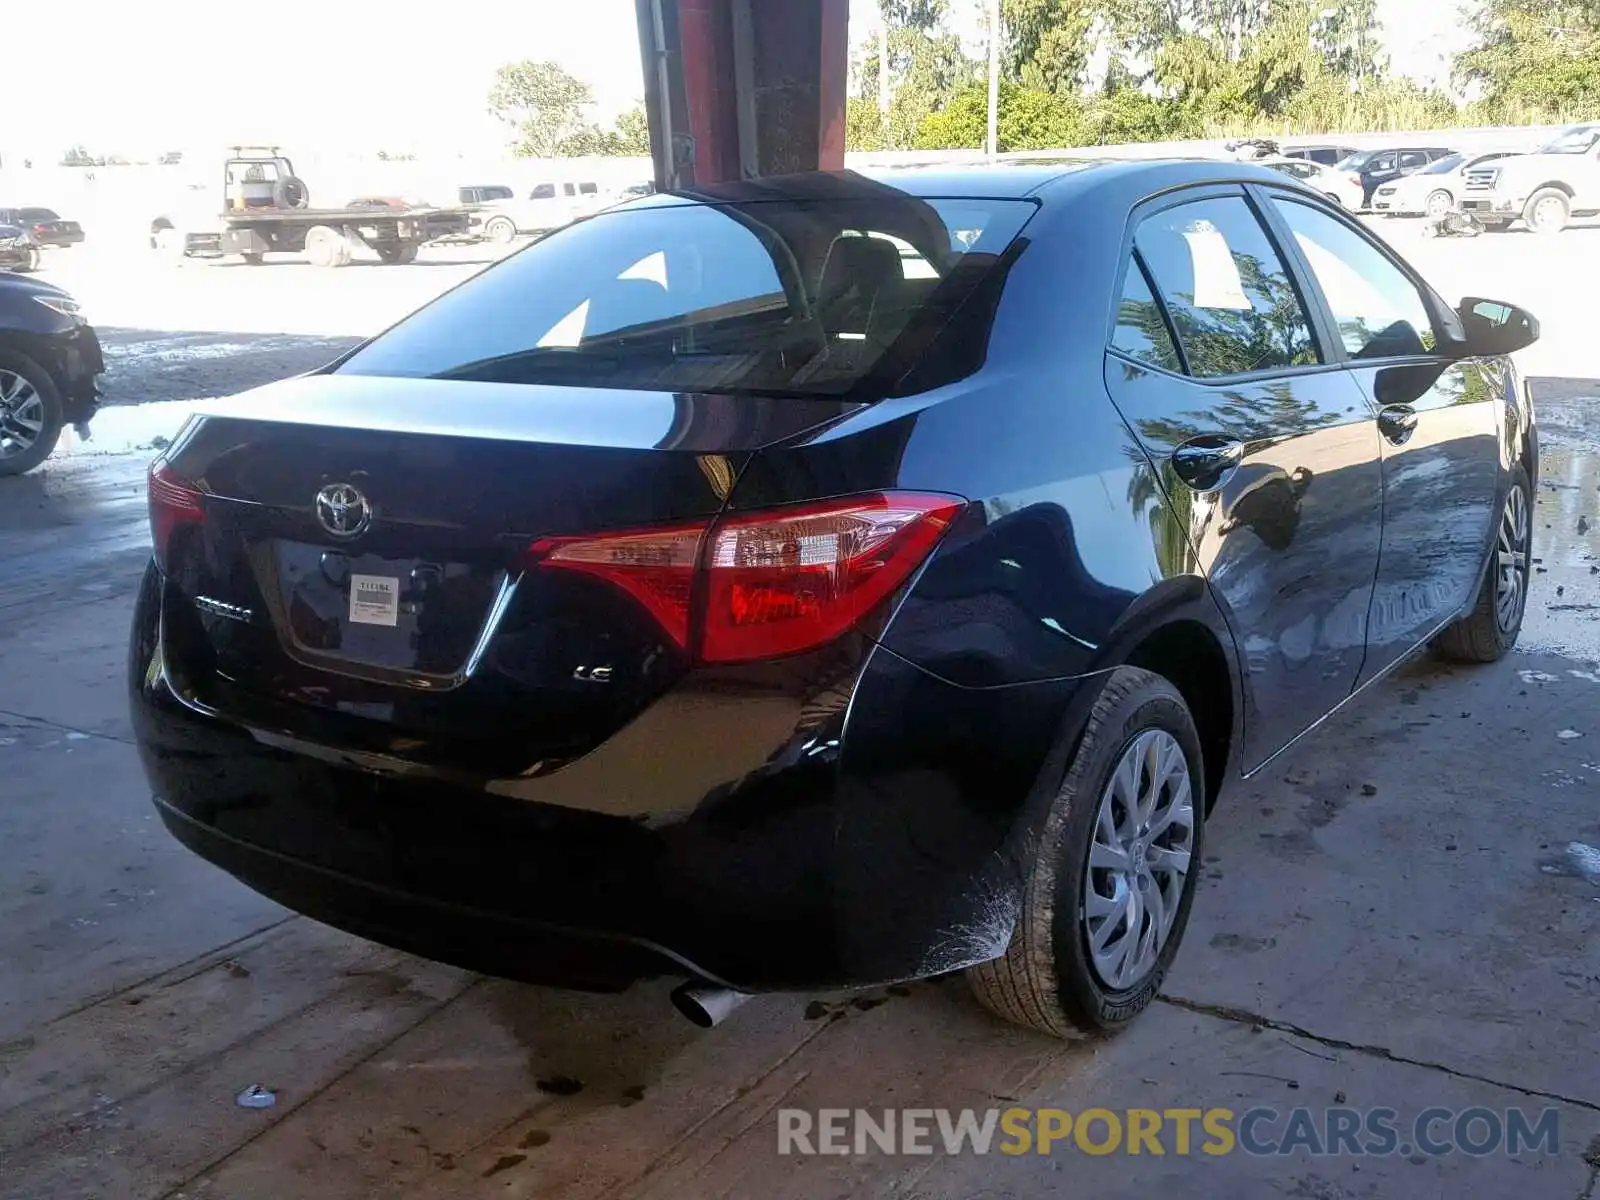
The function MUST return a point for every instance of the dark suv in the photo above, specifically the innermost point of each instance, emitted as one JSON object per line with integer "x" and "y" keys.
{"x": 1377, "y": 167}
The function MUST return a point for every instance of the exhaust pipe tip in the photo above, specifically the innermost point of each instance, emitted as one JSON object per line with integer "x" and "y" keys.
{"x": 706, "y": 1005}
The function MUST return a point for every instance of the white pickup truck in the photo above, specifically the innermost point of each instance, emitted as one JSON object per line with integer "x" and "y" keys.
{"x": 1546, "y": 189}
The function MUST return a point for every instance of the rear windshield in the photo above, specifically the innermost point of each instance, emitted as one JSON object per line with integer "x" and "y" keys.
{"x": 37, "y": 214}
{"x": 796, "y": 297}
{"x": 1445, "y": 165}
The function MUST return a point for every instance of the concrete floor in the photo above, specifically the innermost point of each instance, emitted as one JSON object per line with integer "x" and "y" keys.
{"x": 1393, "y": 916}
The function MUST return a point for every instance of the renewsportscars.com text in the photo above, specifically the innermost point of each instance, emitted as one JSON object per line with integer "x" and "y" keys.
{"x": 1372, "y": 1132}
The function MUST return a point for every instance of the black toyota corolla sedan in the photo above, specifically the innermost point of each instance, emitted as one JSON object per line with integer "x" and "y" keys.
{"x": 828, "y": 580}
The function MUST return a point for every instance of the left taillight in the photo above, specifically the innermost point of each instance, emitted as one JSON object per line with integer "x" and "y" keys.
{"x": 174, "y": 503}
{"x": 767, "y": 584}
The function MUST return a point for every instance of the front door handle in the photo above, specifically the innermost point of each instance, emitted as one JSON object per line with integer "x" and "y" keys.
{"x": 1205, "y": 462}
{"x": 1397, "y": 423}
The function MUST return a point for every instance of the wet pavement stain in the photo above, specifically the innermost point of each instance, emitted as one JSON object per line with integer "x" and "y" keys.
{"x": 504, "y": 1163}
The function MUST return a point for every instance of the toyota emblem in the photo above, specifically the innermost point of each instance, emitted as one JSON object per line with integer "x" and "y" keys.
{"x": 342, "y": 510}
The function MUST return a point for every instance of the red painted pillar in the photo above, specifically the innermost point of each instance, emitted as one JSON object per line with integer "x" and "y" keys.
{"x": 740, "y": 88}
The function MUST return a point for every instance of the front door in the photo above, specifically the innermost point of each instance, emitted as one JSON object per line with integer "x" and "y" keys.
{"x": 1269, "y": 455}
{"x": 1439, "y": 424}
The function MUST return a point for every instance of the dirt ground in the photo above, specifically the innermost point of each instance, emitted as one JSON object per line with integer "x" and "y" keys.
{"x": 1401, "y": 913}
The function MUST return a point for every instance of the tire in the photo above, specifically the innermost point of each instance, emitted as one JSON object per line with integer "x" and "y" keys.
{"x": 1438, "y": 204}
{"x": 30, "y": 264}
{"x": 291, "y": 192}
{"x": 399, "y": 255}
{"x": 253, "y": 258}
{"x": 1548, "y": 211}
{"x": 500, "y": 229}
{"x": 43, "y": 405}
{"x": 1333, "y": 200}
{"x": 1047, "y": 979}
{"x": 327, "y": 247}
{"x": 1489, "y": 631}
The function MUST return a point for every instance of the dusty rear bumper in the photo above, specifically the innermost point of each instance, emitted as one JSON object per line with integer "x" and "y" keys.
{"x": 862, "y": 849}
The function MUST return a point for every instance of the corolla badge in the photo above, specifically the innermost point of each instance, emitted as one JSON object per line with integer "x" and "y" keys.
{"x": 342, "y": 510}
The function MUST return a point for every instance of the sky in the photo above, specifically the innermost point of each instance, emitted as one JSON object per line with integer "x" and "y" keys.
{"x": 169, "y": 74}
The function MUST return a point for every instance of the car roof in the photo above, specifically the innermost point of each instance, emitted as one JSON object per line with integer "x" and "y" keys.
{"x": 1053, "y": 179}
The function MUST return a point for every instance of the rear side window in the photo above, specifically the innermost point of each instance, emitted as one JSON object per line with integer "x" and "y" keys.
{"x": 1141, "y": 331}
{"x": 1232, "y": 300}
{"x": 588, "y": 189}
{"x": 1379, "y": 311}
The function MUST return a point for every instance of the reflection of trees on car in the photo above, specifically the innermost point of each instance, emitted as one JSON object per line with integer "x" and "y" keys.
{"x": 1236, "y": 341}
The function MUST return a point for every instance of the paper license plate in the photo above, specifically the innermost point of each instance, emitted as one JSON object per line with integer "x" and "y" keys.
{"x": 374, "y": 600}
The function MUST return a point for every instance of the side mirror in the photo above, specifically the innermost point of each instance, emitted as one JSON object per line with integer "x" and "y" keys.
{"x": 1493, "y": 327}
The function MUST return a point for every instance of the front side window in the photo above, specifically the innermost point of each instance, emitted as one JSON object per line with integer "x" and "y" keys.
{"x": 798, "y": 297}
{"x": 543, "y": 191}
{"x": 1379, "y": 311}
{"x": 1231, "y": 298}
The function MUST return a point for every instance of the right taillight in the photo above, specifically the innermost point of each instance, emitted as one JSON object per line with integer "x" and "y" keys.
{"x": 775, "y": 583}
{"x": 782, "y": 582}
{"x": 174, "y": 502}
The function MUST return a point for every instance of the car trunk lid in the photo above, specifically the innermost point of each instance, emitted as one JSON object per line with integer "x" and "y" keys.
{"x": 361, "y": 541}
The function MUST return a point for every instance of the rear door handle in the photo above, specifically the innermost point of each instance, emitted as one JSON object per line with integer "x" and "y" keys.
{"x": 1397, "y": 423}
{"x": 1205, "y": 462}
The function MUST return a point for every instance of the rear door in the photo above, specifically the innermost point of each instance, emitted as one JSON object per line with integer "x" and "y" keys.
{"x": 1438, "y": 422}
{"x": 1267, "y": 453}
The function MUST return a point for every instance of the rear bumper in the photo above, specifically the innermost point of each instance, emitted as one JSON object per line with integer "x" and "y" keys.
{"x": 752, "y": 831}
{"x": 71, "y": 237}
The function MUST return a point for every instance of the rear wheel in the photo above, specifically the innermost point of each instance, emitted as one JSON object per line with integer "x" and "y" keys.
{"x": 1106, "y": 902}
{"x": 500, "y": 229}
{"x": 399, "y": 254}
{"x": 327, "y": 247}
{"x": 30, "y": 413}
{"x": 1548, "y": 211}
{"x": 1438, "y": 204}
{"x": 253, "y": 258}
{"x": 1488, "y": 633}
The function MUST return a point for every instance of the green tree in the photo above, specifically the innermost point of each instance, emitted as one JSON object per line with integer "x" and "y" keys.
{"x": 1535, "y": 59}
{"x": 1046, "y": 42}
{"x": 543, "y": 103}
{"x": 927, "y": 67}
{"x": 1029, "y": 119}
{"x": 632, "y": 132}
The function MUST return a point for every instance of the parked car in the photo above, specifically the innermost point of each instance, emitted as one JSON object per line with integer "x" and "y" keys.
{"x": 44, "y": 225}
{"x": 18, "y": 251}
{"x": 1434, "y": 190}
{"x": 1342, "y": 189}
{"x": 1327, "y": 156}
{"x": 49, "y": 361}
{"x": 1546, "y": 189}
{"x": 1374, "y": 168}
{"x": 757, "y": 609}
{"x": 547, "y": 206}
